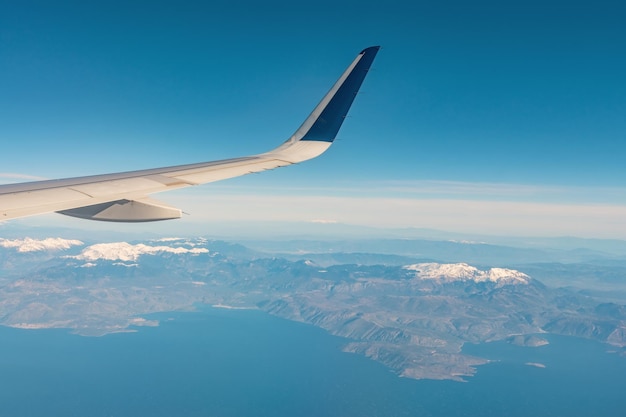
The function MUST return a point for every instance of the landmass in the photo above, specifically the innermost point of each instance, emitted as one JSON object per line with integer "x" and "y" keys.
{"x": 414, "y": 318}
{"x": 527, "y": 340}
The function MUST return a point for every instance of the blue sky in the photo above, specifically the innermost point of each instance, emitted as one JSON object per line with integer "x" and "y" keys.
{"x": 492, "y": 103}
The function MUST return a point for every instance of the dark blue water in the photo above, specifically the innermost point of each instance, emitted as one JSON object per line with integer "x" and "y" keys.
{"x": 246, "y": 363}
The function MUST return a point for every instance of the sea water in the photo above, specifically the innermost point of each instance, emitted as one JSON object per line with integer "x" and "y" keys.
{"x": 217, "y": 362}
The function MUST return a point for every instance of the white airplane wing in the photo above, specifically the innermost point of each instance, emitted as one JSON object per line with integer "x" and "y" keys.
{"x": 123, "y": 197}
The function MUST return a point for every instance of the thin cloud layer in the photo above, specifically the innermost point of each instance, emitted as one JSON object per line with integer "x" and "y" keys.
{"x": 480, "y": 215}
{"x": 13, "y": 176}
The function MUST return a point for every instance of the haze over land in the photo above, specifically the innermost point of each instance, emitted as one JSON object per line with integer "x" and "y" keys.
{"x": 411, "y": 306}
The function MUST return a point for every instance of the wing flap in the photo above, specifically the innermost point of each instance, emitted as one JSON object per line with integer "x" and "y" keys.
{"x": 127, "y": 186}
{"x": 40, "y": 198}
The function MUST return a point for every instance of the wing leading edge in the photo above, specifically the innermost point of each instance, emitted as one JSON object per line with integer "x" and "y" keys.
{"x": 123, "y": 197}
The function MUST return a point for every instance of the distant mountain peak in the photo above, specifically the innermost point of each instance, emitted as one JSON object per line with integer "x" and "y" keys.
{"x": 465, "y": 272}
{"x": 124, "y": 251}
{"x": 36, "y": 245}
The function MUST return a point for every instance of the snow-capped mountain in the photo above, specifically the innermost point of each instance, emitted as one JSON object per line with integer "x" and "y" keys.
{"x": 413, "y": 318}
{"x": 123, "y": 251}
{"x": 465, "y": 272}
{"x": 35, "y": 245}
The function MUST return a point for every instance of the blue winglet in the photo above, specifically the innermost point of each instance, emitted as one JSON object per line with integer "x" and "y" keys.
{"x": 329, "y": 121}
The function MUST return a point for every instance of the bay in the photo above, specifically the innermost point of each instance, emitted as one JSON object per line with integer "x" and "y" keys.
{"x": 219, "y": 362}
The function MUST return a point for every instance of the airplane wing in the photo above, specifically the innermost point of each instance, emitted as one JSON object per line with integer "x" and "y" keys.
{"x": 123, "y": 197}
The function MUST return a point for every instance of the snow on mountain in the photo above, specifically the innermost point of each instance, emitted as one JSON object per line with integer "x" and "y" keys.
{"x": 182, "y": 241}
{"x": 169, "y": 239}
{"x": 123, "y": 251}
{"x": 35, "y": 245}
{"x": 465, "y": 272}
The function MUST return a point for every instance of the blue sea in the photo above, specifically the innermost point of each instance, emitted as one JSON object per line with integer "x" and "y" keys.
{"x": 217, "y": 362}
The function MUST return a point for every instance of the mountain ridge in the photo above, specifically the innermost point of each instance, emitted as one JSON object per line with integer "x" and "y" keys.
{"x": 414, "y": 318}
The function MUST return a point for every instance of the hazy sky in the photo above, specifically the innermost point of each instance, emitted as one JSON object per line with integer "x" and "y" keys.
{"x": 501, "y": 117}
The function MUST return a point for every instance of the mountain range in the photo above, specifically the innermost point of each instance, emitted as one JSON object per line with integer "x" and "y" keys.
{"x": 414, "y": 316}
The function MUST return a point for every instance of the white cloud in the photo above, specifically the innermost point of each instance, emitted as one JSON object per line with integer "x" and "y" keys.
{"x": 34, "y": 245}
{"x": 123, "y": 251}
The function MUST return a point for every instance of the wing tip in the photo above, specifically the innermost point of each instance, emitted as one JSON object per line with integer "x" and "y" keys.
{"x": 325, "y": 121}
{"x": 370, "y": 49}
